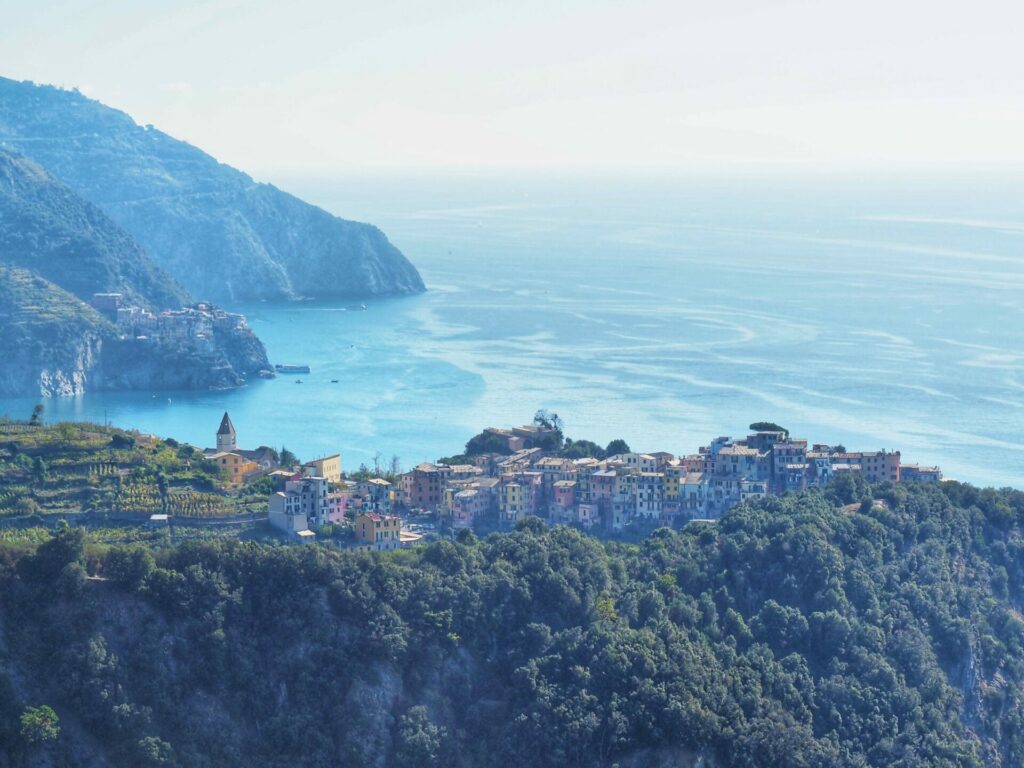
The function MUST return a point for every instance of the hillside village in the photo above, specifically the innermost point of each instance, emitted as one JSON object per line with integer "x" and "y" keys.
{"x": 531, "y": 476}
{"x": 196, "y": 327}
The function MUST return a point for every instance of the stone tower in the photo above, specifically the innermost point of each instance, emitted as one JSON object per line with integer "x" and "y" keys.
{"x": 226, "y": 435}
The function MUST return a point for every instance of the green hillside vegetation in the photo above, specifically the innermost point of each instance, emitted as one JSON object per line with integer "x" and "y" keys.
{"x": 47, "y": 228}
{"x": 31, "y": 304}
{"x": 95, "y": 471}
{"x": 853, "y": 627}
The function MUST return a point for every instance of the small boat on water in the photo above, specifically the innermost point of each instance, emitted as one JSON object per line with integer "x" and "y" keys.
{"x": 334, "y": 381}
{"x": 291, "y": 368}
{"x": 356, "y": 307}
{"x": 298, "y": 381}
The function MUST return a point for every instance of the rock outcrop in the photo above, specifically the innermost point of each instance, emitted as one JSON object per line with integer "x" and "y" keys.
{"x": 51, "y": 341}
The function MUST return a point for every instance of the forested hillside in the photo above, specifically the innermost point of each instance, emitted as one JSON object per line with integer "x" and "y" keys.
{"x": 860, "y": 627}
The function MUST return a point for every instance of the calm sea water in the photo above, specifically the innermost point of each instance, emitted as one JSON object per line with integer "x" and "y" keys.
{"x": 880, "y": 316}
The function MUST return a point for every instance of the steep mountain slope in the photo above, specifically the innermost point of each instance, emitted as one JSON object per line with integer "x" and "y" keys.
{"x": 47, "y": 228}
{"x": 224, "y": 236}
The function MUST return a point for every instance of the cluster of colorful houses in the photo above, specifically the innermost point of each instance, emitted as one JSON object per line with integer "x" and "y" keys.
{"x": 499, "y": 489}
{"x": 658, "y": 487}
{"x": 194, "y": 326}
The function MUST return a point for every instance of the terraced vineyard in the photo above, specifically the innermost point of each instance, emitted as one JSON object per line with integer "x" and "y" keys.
{"x": 189, "y": 503}
{"x": 72, "y": 469}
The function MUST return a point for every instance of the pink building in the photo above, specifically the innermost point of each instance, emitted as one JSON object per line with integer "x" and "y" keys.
{"x": 563, "y": 505}
{"x": 337, "y": 506}
{"x": 423, "y": 488}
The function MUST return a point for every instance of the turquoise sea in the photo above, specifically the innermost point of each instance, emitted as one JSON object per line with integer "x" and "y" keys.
{"x": 666, "y": 312}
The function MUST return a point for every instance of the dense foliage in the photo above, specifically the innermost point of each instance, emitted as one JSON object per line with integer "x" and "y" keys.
{"x": 856, "y": 627}
{"x": 767, "y": 426}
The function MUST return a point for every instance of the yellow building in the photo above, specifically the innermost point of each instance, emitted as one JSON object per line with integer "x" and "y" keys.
{"x": 378, "y": 532}
{"x": 674, "y": 477}
{"x": 512, "y": 501}
{"x": 328, "y": 467}
{"x": 625, "y": 481}
{"x": 235, "y": 466}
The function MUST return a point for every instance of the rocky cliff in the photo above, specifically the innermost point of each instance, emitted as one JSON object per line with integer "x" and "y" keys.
{"x": 221, "y": 234}
{"x": 51, "y": 341}
{"x": 141, "y": 365}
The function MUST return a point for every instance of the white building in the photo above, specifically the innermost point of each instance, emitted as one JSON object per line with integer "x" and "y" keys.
{"x": 286, "y": 515}
{"x": 305, "y": 498}
{"x": 650, "y": 494}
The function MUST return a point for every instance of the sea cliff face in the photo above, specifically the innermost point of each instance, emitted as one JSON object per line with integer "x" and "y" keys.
{"x": 51, "y": 341}
{"x": 142, "y": 365}
{"x": 222, "y": 235}
{"x": 63, "y": 374}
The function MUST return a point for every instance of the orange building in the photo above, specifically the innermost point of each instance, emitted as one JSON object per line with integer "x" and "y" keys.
{"x": 236, "y": 466}
{"x": 379, "y": 533}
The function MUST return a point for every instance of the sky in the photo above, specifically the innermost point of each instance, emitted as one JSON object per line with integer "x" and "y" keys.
{"x": 321, "y": 86}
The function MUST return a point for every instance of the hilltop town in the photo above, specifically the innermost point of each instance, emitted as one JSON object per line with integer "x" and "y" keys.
{"x": 529, "y": 471}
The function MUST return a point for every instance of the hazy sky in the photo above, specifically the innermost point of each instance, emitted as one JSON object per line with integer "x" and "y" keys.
{"x": 720, "y": 84}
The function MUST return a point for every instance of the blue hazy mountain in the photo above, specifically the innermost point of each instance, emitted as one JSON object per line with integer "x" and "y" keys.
{"x": 222, "y": 235}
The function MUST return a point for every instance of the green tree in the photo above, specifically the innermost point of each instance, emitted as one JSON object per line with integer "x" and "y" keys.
{"x": 580, "y": 449}
{"x": 549, "y": 420}
{"x": 65, "y": 547}
{"x": 26, "y": 505}
{"x": 617, "y": 446}
{"x": 39, "y": 725}
{"x": 123, "y": 442}
{"x": 37, "y": 414}
{"x": 420, "y": 742}
{"x": 487, "y": 442}
{"x": 39, "y": 472}
{"x": 128, "y": 566}
{"x": 768, "y": 426}
{"x": 152, "y": 752}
